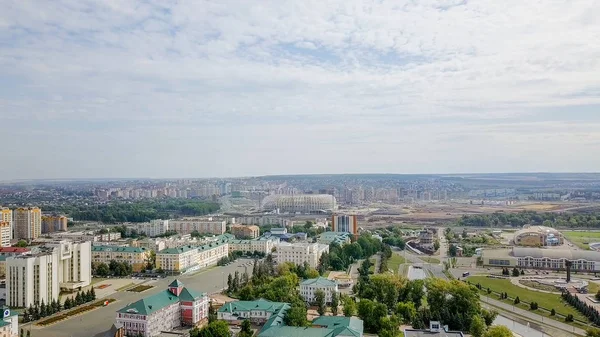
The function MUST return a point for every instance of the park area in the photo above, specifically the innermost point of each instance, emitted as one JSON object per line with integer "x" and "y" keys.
{"x": 395, "y": 261}
{"x": 544, "y": 300}
{"x": 582, "y": 239}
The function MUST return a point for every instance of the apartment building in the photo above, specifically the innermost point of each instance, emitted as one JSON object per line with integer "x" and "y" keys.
{"x": 344, "y": 224}
{"x": 54, "y": 223}
{"x": 245, "y": 231}
{"x": 86, "y": 236}
{"x": 137, "y": 257}
{"x": 263, "y": 245}
{"x": 5, "y": 234}
{"x": 40, "y": 276}
{"x": 190, "y": 258}
{"x": 310, "y": 286}
{"x": 177, "y": 306}
{"x": 298, "y": 253}
{"x": 154, "y": 227}
{"x": 6, "y": 215}
{"x": 27, "y": 223}
{"x": 206, "y": 226}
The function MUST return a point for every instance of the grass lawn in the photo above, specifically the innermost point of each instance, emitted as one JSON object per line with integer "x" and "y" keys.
{"x": 395, "y": 261}
{"x": 140, "y": 288}
{"x": 548, "y": 301}
{"x": 430, "y": 259}
{"x": 125, "y": 286}
{"x": 581, "y": 239}
{"x": 593, "y": 287}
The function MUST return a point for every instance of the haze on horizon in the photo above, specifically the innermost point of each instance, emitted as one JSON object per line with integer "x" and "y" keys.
{"x": 238, "y": 88}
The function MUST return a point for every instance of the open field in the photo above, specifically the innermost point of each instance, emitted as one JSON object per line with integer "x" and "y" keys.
{"x": 395, "y": 261}
{"x": 544, "y": 300}
{"x": 430, "y": 259}
{"x": 582, "y": 239}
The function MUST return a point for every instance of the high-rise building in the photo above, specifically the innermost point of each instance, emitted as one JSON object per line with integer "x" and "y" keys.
{"x": 54, "y": 223}
{"x": 5, "y": 234}
{"x": 344, "y": 224}
{"x": 27, "y": 223}
{"x": 38, "y": 277}
{"x": 6, "y": 215}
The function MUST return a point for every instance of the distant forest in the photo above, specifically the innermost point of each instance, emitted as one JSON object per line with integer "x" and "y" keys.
{"x": 562, "y": 220}
{"x": 136, "y": 211}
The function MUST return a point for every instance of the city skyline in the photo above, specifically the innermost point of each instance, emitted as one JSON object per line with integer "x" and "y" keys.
{"x": 211, "y": 89}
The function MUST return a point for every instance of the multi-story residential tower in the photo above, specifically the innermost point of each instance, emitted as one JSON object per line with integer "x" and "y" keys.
{"x": 5, "y": 234}
{"x": 6, "y": 215}
{"x": 344, "y": 224}
{"x": 27, "y": 223}
{"x": 54, "y": 223}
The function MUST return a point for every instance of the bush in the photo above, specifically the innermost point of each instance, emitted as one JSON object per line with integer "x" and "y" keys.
{"x": 552, "y": 312}
{"x": 517, "y": 300}
{"x": 569, "y": 318}
{"x": 533, "y": 306}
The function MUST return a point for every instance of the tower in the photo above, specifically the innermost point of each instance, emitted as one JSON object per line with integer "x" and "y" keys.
{"x": 176, "y": 287}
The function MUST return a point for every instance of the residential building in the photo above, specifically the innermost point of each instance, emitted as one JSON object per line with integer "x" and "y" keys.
{"x": 245, "y": 231}
{"x": 426, "y": 239}
{"x": 9, "y": 325}
{"x": 344, "y": 224}
{"x": 86, "y": 236}
{"x": 435, "y": 330}
{"x": 310, "y": 286}
{"x": 165, "y": 311}
{"x": 299, "y": 253}
{"x": 151, "y": 244}
{"x": 190, "y": 258}
{"x": 54, "y": 223}
{"x": 154, "y": 227}
{"x": 6, "y": 215}
{"x": 270, "y": 315}
{"x": 27, "y": 223}
{"x": 263, "y": 245}
{"x": 207, "y": 226}
{"x": 5, "y": 234}
{"x": 135, "y": 256}
{"x": 40, "y": 276}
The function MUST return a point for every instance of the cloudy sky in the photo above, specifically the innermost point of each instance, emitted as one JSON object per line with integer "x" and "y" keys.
{"x": 228, "y": 88}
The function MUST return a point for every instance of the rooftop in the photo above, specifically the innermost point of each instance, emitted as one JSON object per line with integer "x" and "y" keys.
{"x": 14, "y": 250}
{"x": 151, "y": 304}
{"x": 183, "y": 249}
{"x": 319, "y": 281}
{"x": 118, "y": 249}
{"x": 557, "y": 253}
{"x": 427, "y": 333}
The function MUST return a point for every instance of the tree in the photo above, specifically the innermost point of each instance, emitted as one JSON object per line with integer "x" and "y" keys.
{"x": 213, "y": 329}
{"x": 320, "y": 301}
{"x": 102, "y": 270}
{"x": 92, "y": 294}
{"x": 43, "y": 309}
{"x": 335, "y": 302}
{"x": 246, "y": 330}
{"x": 406, "y": 312}
{"x": 478, "y": 326}
{"x": 436, "y": 245}
{"x": 349, "y": 307}
{"x": 515, "y": 272}
{"x": 517, "y": 300}
{"x": 498, "y": 331}
{"x": 552, "y": 312}
{"x": 78, "y": 299}
{"x": 452, "y": 250}
{"x": 296, "y": 315}
{"x": 592, "y": 332}
{"x": 230, "y": 284}
{"x": 489, "y": 316}
{"x": 21, "y": 243}
{"x": 67, "y": 304}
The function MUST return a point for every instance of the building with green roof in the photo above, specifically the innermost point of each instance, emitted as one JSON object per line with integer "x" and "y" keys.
{"x": 164, "y": 311}
{"x": 310, "y": 286}
{"x": 191, "y": 258}
{"x": 271, "y": 315}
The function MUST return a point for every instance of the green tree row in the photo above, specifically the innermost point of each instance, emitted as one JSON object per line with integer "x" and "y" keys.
{"x": 41, "y": 310}
{"x": 562, "y": 220}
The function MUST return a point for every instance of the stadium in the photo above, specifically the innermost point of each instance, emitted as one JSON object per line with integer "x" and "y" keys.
{"x": 303, "y": 203}
{"x": 538, "y": 236}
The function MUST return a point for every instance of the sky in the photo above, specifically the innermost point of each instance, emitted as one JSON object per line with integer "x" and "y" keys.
{"x": 169, "y": 89}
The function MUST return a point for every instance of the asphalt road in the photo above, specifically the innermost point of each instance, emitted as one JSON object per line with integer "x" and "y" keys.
{"x": 94, "y": 323}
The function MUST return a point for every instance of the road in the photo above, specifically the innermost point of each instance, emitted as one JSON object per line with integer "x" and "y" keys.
{"x": 416, "y": 273}
{"x": 94, "y": 323}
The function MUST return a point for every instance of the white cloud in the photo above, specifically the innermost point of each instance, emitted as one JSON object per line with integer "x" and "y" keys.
{"x": 343, "y": 77}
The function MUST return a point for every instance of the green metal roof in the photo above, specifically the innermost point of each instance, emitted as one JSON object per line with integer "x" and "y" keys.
{"x": 183, "y": 249}
{"x": 319, "y": 281}
{"x": 261, "y": 304}
{"x": 151, "y": 304}
{"x": 2, "y": 257}
{"x": 118, "y": 249}
{"x": 336, "y": 322}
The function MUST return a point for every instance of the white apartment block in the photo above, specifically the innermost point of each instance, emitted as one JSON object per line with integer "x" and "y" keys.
{"x": 5, "y": 234}
{"x": 298, "y": 253}
{"x": 188, "y": 258}
{"x": 154, "y": 227}
{"x": 40, "y": 276}
{"x": 262, "y": 245}
{"x": 309, "y": 287}
{"x": 86, "y": 236}
{"x": 208, "y": 226}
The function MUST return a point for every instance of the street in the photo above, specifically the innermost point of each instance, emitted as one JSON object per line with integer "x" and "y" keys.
{"x": 94, "y": 323}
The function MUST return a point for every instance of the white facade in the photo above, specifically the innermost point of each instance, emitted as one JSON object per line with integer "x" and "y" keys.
{"x": 6, "y": 215}
{"x": 154, "y": 227}
{"x": 263, "y": 245}
{"x": 187, "y": 257}
{"x": 33, "y": 278}
{"x": 188, "y": 226}
{"x": 298, "y": 253}
{"x": 5, "y": 234}
{"x": 308, "y": 288}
